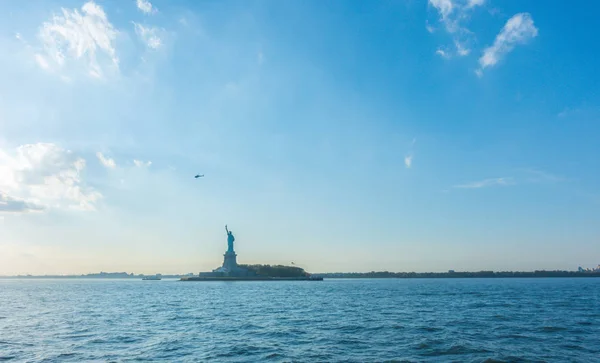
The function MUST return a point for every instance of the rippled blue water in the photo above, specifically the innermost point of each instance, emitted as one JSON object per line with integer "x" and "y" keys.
{"x": 417, "y": 320}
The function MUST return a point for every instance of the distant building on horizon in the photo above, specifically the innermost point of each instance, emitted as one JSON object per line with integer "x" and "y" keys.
{"x": 581, "y": 269}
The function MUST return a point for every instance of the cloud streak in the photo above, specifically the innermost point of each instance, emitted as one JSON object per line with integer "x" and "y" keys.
{"x": 107, "y": 162}
{"x": 445, "y": 8}
{"x": 487, "y": 183}
{"x": 442, "y": 53}
{"x": 149, "y": 35}
{"x": 87, "y": 37}
{"x": 452, "y": 14}
{"x": 518, "y": 30}
{"x": 141, "y": 164}
{"x": 408, "y": 161}
{"x": 473, "y": 3}
{"x": 145, "y": 6}
{"x": 524, "y": 176}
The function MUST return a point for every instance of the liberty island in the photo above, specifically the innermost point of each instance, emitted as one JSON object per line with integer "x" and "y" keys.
{"x": 230, "y": 270}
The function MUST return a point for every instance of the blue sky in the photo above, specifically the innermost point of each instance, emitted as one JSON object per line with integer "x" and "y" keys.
{"x": 341, "y": 135}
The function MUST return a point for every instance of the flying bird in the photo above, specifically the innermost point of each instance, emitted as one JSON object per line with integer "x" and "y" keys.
{"x": 199, "y": 176}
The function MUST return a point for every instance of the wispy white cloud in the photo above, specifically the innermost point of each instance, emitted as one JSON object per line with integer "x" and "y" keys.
{"x": 141, "y": 164}
{"x": 146, "y": 6}
{"x": 43, "y": 175}
{"x": 260, "y": 58}
{"x": 452, "y": 14}
{"x": 41, "y": 61}
{"x": 75, "y": 36}
{"x": 408, "y": 160}
{"x": 149, "y": 35}
{"x": 429, "y": 28}
{"x": 487, "y": 183}
{"x": 523, "y": 176}
{"x": 445, "y": 8}
{"x": 442, "y": 53}
{"x": 473, "y": 3}
{"x": 518, "y": 30}
{"x": 460, "y": 49}
{"x": 107, "y": 162}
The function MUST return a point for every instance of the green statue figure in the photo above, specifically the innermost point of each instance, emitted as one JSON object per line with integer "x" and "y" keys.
{"x": 230, "y": 240}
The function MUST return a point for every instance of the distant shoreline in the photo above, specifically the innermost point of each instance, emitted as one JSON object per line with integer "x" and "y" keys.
{"x": 458, "y": 275}
{"x": 349, "y": 275}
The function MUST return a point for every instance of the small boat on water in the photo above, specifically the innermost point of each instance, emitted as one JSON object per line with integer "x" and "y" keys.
{"x": 155, "y": 277}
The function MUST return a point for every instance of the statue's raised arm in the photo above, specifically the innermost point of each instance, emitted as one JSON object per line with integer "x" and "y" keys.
{"x": 226, "y": 230}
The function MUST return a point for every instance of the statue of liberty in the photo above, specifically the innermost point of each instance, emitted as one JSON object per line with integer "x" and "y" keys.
{"x": 230, "y": 240}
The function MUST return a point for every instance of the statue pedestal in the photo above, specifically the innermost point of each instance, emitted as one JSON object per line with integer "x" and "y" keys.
{"x": 230, "y": 260}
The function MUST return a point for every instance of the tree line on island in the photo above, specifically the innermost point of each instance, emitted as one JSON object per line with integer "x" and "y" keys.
{"x": 276, "y": 270}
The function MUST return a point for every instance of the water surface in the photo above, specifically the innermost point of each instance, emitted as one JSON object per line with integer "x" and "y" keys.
{"x": 416, "y": 320}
